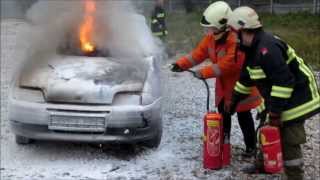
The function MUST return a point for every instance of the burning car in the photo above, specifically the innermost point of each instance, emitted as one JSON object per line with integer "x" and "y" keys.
{"x": 87, "y": 97}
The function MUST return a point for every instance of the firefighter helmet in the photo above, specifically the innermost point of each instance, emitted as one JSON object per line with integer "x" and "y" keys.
{"x": 244, "y": 18}
{"x": 216, "y": 15}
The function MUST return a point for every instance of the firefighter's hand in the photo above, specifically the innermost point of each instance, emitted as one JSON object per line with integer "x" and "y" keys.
{"x": 261, "y": 116}
{"x": 198, "y": 75}
{"x": 175, "y": 68}
{"x": 275, "y": 119}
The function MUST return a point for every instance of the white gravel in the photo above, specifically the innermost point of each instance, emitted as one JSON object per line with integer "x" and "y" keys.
{"x": 178, "y": 157}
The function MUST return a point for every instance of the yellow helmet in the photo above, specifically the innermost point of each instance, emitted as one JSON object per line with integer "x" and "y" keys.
{"x": 216, "y": 15}
{"x": 244, "y": 18}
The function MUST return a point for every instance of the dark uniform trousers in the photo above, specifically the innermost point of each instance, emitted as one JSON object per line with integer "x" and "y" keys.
{"x": 292, "y": 137}
{"x": 246, "y": 124}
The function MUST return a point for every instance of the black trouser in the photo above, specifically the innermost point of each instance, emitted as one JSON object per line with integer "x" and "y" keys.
{"x": 246, "y": 124}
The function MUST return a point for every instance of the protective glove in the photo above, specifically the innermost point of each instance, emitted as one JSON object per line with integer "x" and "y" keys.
{"x": 198, "y": 75}
{"x": 262, "y": 116}
{"x": 275, "y": 119}
{"x": 175, "y": 68}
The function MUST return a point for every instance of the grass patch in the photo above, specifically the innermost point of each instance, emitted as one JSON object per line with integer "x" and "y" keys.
{"x": 300, "y": 30}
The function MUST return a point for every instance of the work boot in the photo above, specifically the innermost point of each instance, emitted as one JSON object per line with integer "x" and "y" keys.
{"x": 249, "y": 153}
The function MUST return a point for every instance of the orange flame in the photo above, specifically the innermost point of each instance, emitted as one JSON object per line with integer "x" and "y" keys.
{"x": 86, "y": 28}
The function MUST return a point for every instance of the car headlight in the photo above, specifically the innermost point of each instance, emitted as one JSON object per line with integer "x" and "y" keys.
{"x": 128, "y": 98}
{"x": 28, "y": 94}
{"x": 152, "y": 86}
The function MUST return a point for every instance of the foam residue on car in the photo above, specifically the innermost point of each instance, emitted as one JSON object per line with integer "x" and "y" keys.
{"x": 78, "y": 79}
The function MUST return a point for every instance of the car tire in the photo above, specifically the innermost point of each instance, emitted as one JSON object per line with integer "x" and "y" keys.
{"x": 156, "y": 140}
{"x": 22, "y": 140}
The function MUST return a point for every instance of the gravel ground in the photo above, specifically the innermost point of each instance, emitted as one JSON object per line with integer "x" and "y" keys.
{"x": 178, "y": 157}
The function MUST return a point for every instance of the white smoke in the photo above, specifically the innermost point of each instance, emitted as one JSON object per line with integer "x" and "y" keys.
{"x": 118, "y": 29}
{"x": 122, "y": 31}
{"x": 50, "y": 22}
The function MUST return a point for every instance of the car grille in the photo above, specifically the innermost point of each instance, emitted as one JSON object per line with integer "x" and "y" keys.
{"x": 77, "y": 121}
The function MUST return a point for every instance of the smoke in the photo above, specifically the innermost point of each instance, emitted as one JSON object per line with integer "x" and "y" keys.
{"x": 122, "y": 31}
{"x": 119, "y": 31}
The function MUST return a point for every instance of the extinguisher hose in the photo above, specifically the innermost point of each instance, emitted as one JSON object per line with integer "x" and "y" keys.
{"x": 207, "y": 87}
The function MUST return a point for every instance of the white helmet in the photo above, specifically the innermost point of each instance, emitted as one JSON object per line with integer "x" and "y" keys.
{"x": 216, "y": 15}
{"x": 244, "y": 18}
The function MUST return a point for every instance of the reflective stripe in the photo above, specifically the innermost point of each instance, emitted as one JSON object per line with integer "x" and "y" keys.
{"x": 308, "y": 106}
{"x": 291, "y": 54}
{"x": 294, "y": 162}
{"x": 281, "y": 92}
{"x": 241, "y": 88}
{"x": 309, "y": 74}
{"x": 256, "y": 73}
{"x": 312, "y": 83}
{"x": 301, "y": 110}
{"x": 154, "y": 21}
{"x": 160, "y": 15}
{"x": 261, "y": 107}
{"x": 191, "y": 60}
{"x": 158, "y": 33}
{"x": 216, "y": 70}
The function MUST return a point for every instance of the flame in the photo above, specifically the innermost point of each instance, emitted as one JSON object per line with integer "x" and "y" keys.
{"x": 86, "y": 28}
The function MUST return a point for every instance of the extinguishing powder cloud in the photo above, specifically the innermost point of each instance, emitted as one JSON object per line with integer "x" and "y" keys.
{"x": 118, "y": 31}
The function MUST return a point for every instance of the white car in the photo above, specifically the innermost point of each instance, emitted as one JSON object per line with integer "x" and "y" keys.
{"x": 87, "y": 99}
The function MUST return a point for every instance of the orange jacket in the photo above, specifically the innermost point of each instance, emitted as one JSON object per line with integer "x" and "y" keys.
{"x": 225, "y": 68}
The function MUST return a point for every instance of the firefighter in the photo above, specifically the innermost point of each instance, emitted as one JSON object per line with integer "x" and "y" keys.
{"x": 284, "y": 80}
{"x": 219, "y": 45}
{"x": 158, "y": 23}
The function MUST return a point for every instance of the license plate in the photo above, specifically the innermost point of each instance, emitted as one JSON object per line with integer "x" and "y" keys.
{"x": 77, "y": 123}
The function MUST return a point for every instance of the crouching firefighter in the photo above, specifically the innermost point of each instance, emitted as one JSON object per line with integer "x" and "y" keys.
{"x": 286, "y": 83}
{"x": 220, "y": 46}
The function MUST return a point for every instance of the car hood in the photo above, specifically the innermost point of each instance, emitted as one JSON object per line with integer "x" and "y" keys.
{"x": 79, "y": 79}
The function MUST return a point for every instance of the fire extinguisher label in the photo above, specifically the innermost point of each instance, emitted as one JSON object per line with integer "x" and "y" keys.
{"x": 213, "y": 138}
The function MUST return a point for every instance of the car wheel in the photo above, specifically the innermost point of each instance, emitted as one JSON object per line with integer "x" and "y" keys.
{"x": 22, "y": 140}
{"x": 155, "y": 141}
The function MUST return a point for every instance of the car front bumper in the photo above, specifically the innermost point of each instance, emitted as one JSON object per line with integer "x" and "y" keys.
{"x": 130, "y": 123}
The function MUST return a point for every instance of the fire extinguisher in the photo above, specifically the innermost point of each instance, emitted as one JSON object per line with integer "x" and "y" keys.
{"x": 271, "y": 149}
{"x": 216, "y": 148}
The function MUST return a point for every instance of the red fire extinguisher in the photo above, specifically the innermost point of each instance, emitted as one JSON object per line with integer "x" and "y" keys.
{"x": 212, "y": 141}
{"x": 216, "y": 148}
{"x": 271, "y": 149}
